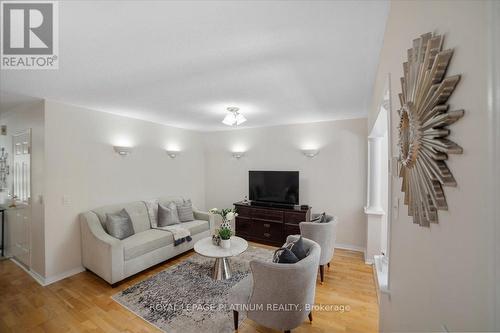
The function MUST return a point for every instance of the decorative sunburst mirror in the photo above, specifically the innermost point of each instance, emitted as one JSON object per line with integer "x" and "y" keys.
{"x": 423, "y": 132}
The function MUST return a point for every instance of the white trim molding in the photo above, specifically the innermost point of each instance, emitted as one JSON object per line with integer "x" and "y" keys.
{"x": 46, "y": 281}
{"x": 351, "y": 247}
{"x": 37, "y": 277}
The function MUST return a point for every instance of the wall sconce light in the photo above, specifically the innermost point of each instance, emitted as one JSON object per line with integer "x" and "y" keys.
{"x": 123, "y": 151}
{"x": 310, "y": 152}
{"x": 173, "y": 153}
{"x": 238, "y": 154}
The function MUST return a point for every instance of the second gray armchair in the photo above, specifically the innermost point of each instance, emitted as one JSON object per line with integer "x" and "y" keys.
{"x": 323, "y": 233}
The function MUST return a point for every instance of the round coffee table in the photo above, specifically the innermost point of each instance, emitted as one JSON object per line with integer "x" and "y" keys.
{"x": 206, "y": 248}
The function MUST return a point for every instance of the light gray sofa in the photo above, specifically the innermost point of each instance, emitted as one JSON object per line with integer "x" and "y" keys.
{"x": 279, "y": 284}
{"x": 114, "y": 260}
{"x": 324, "y": 234}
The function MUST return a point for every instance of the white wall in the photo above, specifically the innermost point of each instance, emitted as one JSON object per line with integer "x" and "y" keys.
{"x": 81, "y": 171}
{"x": 442, "y": 275}
{"x": 20, "y": 118}
{"x": 334, "y": 181}
{"x": 82, "y": 166}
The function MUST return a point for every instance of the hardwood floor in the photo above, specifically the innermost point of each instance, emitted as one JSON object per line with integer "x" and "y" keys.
{"x": 82, "y": 303}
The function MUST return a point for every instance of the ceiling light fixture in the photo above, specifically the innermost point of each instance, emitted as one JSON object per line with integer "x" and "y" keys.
{"x": 234, "y": 117}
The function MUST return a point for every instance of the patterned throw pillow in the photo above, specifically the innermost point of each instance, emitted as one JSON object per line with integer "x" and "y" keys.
{"x": 119, "y": 225}
{"x": 284, "y": 256}
{"x": 321, "y": 218}
{"x": 185, "y": 211}
{"x": 167, "y": 215}
{"x": 297, "y": 248}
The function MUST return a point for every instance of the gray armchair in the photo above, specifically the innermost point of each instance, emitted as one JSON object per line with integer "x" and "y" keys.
{"x": 273, "y": 283}
{"x": 324, "y": 234}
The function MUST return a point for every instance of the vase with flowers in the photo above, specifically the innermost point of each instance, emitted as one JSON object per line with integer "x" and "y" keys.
{"x": 225, "y": 232}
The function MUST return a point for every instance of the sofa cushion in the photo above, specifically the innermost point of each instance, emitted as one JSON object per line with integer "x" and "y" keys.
{"x": 196, "y": 226}
{"x": 145, "y": 242}
{"x": 137, "y": 211}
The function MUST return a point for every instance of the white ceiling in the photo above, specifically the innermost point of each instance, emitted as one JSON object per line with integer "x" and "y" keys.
{"x": 183, "y": 63}
{"x": 9, "y": 101}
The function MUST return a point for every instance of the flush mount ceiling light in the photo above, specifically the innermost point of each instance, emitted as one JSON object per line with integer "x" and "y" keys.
{"x": 310, "y": 152}
{"x": 234, "y": 117}
{"x": 122, "y": 151}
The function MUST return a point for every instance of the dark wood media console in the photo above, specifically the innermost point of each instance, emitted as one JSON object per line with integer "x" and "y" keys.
{"x": 268, "y": 225}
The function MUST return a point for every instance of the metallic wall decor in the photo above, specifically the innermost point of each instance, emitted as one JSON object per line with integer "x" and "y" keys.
{"x": 424, "y": 117}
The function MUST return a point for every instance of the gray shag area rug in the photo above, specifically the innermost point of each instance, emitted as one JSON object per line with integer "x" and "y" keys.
{"x": 185, "y": 298}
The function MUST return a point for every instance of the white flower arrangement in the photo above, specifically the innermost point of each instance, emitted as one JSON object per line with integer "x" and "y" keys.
{"x": 228, "y": 214}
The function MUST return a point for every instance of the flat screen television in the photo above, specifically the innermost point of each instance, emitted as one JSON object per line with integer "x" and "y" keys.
{"x": 274, "y": 186}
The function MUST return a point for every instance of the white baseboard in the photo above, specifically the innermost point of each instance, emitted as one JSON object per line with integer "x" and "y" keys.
{"x": 46, "y": 281}
{"x": 37, "y": 277}
{"x": 351, "y": 248}
{"x": 63, "y": 275}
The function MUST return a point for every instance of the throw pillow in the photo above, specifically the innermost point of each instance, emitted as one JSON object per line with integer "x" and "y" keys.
{"x": 317, "y": 219}
{"x": 321, "y": 218}
{"x": 284, "y": 256}
{"x": 297, "y": 248}
{"x": 152, "y": 206}
{"x": 167, "y": 215}
{"x": 185, "y": 211}
{"x": 119, "y": 225}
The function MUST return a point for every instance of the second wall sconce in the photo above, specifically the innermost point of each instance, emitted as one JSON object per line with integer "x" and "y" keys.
{"x": 238, "y": 154}
{"x": 123, "y": 151}
{"x": 173, "y": 153}
{"x": 310, "y": 152}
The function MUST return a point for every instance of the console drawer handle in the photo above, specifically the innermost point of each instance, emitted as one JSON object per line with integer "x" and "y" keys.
{"x": 267, "y": 234}
{"x": 267, "y": 225}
